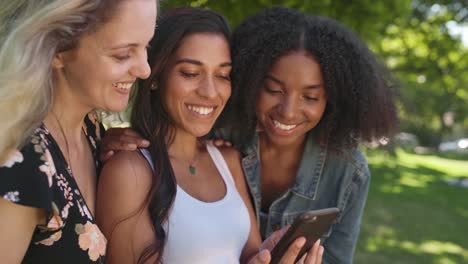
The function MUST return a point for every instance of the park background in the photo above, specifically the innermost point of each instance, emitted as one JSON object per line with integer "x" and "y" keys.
{"x": 417, "y": 209}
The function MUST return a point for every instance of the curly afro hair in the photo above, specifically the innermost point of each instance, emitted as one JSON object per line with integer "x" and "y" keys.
{"x": 360, "y": 91}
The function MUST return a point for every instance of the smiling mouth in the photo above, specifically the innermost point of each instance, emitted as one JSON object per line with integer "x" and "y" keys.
{"x": 123, "y": 86}
{"x": 282, "y": 126}
{"x": 201, "y": 110}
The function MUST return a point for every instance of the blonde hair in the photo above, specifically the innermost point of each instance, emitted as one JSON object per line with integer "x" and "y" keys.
{"x": 31, "y": 33}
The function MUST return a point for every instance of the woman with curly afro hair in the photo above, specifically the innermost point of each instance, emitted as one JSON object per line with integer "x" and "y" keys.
{"x": 305, "y": 92}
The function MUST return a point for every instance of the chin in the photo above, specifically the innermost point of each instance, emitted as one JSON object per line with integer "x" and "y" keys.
{"x": 117, "y": 107}
{"x": 200, "y": 132}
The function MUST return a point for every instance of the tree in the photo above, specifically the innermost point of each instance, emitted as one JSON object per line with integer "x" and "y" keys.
{"x": 413, "y": 37}
{"x": 431, "y": 64}
{"x": 367, "y": 17}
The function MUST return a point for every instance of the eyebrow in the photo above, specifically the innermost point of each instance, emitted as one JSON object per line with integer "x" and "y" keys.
{"x": 125, "y": 45}
{"x": 313, "y": 86}
{"x": 196, "y": 62}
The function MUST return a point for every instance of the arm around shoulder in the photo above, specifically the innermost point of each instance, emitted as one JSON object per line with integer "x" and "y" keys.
{"x": 121, "y": 208}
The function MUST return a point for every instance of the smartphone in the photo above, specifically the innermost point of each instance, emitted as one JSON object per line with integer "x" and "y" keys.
{"x": 311, "y": 225}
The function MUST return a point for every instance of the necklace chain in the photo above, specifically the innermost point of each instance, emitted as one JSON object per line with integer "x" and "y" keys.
{"x": 67, "y": 158}
{"x": 192, "y": 169}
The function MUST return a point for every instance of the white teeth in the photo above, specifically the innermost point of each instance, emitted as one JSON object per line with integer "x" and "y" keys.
{"x": 283, "y": 126}
{"x": 200, "y": 109}
{"x": 124, "y": 86}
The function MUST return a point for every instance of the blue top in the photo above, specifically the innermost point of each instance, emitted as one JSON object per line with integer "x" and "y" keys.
{"x": 327, "y": 177}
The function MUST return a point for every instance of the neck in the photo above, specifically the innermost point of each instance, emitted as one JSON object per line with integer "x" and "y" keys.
{"x": 184, "y": 147}
{"x": 67, "y": 108}
{"x": 66, "y": 118}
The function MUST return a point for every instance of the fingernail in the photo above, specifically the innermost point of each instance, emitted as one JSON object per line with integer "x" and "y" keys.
{"x": 301, "y": 242}
{"x": 263, "y": 255}
{"x": 132, "y": 146}
{"x": 321, "y": 249}
{"x": 145, "y": 142}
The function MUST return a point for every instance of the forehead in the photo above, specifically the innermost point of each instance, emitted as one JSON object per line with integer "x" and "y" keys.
{"x": 133, "y": 21}
{"x": 296, "y": 62}
{"x": 297, "y": 67}
{"x": 204, "y": 47}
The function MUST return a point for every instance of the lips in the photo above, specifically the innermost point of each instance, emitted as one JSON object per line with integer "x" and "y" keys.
{"x": 282, "y": 129}
{"x": 123, "y": 87}
{"x": 201, "y": 110}
{"x": 282, "y": 126}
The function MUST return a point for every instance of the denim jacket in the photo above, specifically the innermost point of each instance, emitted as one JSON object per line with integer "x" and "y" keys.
{"x": 327, "y": 177}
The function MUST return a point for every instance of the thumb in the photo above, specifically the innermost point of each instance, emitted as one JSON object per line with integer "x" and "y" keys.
{"x": 263, "y": 257}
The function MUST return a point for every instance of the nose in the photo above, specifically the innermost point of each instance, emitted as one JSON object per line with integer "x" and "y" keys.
{"x": 207, "y": 88}
{"x": 288, "y": 107}
{"x": 141, "y": 68}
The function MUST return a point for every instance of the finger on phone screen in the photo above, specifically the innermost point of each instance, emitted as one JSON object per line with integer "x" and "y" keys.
{"x": 293, "y": 251}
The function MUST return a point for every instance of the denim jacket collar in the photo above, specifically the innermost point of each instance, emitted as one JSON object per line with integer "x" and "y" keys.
{"x": 305, "y": 185}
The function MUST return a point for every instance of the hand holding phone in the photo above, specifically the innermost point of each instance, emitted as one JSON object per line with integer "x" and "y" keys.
{"x": 311, "y": 225}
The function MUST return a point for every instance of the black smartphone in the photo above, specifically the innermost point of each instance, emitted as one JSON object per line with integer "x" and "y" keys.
{"x": 311, "y": 225}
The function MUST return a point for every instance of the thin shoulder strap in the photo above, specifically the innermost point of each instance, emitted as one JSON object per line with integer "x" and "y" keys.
{"x": 220, "y": 164}
{"x": 146, "y": 154}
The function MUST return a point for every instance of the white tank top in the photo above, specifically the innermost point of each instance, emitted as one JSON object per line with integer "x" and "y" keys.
{"x": 206, "y": 232}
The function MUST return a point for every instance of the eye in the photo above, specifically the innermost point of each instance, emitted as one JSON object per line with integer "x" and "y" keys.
{"x": 189, "y": 74}
{"x": 310, "y": 98}
{"x": 122, "y": 57}
{"x": 226, "y": 77}
{"x": 273, "y": 90}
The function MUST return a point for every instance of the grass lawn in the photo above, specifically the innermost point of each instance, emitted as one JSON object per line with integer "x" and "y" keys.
{"x": 412, "y": 215}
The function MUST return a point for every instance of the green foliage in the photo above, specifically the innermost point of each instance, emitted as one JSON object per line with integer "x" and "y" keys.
{"x": 413, "y": 37}
{"x": 432, "y": 66}
{"x": 367, "y": 17}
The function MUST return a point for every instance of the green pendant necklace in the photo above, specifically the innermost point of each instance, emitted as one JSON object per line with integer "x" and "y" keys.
{"x": 192, "y": 169}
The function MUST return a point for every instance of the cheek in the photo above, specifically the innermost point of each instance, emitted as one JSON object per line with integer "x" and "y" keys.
{"x": 265, "y": 103}
{"x": 225, "y": 91}
{"x": 316, "y": 113}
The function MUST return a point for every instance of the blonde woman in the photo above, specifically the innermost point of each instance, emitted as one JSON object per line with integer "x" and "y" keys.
{"x": 61, "y": 60}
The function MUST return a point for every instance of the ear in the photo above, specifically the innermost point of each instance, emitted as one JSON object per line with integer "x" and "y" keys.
{"x": 58, "y": 61}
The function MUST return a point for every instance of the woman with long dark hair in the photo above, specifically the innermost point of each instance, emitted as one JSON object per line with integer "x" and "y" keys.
{"x": 181, "y": 200}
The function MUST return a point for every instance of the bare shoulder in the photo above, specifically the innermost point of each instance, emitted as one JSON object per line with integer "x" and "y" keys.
{"x": 127, "y": 167}
{"x": 230, "y": 154}
{"x": 122, "y": 206}
{"x": 124, "y": 182}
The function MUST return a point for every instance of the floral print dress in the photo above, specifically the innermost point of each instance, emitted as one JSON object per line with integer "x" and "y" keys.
{"x": 38, "y": 176}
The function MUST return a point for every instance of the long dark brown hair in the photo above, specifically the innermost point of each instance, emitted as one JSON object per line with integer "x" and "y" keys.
{"x": 149, "y": 116}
